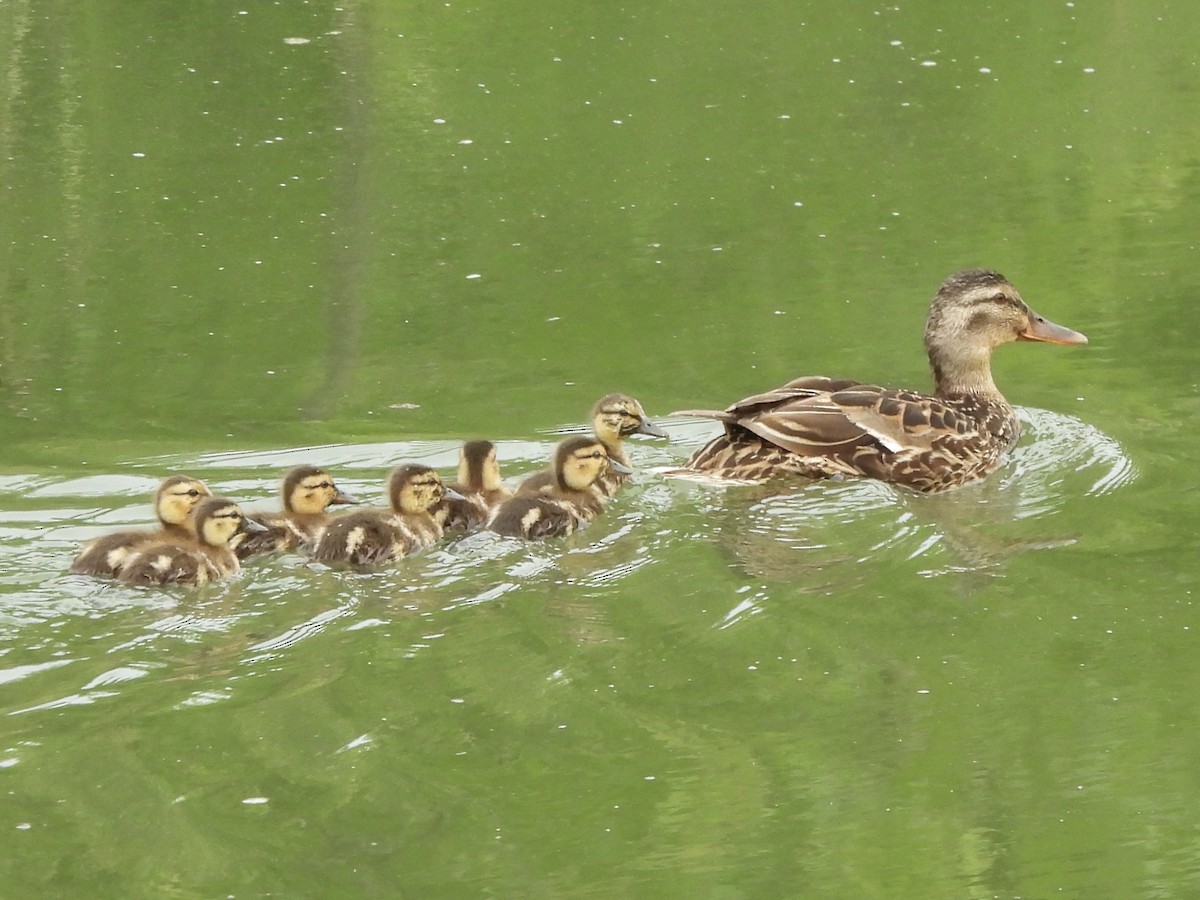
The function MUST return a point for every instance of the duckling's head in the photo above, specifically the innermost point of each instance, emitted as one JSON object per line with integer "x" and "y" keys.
{"x": 973, "y": 313}
{"x": 413, "y": 489}
{"x": 217, "y": 519}
{"x": 309, "y": 490}
{"x": 616, "y": 416}
{"x": 177, "y": 496}
{"x": 580, "y": 461}
{"x": 478, "y": 468}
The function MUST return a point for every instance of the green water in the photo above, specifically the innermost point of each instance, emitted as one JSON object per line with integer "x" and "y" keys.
{"x": 239, "y": 237}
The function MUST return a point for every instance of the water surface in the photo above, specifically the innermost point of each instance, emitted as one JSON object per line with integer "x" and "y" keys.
{"x": 244, "y": 238}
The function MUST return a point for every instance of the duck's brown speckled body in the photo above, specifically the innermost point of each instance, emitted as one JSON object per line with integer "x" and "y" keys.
{"x": 176, "y": 497}
{"x": 614, "y": 417}
{"x": 205, "y": 556}
{"x": 821, "y": 427}
{"x": 573, "y": 500}
{"x": 376, "y": 536}
{"x": 308, "y": 492}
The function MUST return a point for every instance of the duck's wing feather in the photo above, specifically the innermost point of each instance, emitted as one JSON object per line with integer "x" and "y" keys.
{"x": 813, "y": 422}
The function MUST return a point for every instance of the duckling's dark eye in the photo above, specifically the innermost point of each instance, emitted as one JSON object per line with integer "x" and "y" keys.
{"x": 1000, "y": 297}
{"x": 193, "y": 493}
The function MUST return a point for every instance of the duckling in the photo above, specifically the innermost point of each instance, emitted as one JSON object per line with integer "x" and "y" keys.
{"x": 480, "y": 485}
{"x": 202, "y": 557}
{"x": 374, "y": 536}
{"x": 570, "y": 503}
{"x": 176, "y": 497}
{"x": 308, "y": 492}
{"x": 614, "y": 417}
{"x": 819, "y": 427}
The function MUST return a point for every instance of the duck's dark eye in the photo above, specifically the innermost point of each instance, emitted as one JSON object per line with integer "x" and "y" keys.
{"x": 1000, "y": 297}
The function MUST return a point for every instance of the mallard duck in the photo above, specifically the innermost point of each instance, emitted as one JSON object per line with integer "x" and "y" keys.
{"x": 479, "y": 484}
{"x": 825, "y": 427}
{"x": 202, "y": 557}
{"x": 373, "y": 536}
{"x": 614, "y": 418}
{"x": 570, "y": 503}
{"x": 174, "y": 501}
{"x": 308, "y": 492}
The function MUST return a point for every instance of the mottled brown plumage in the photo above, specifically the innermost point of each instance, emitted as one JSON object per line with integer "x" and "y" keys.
{"x": 821, "y": 427}
{"x": 614, "y": 418}
{"x": 176, "y": 497}
{"x": 307, "y": 492}
{"x": 479, "y": 484}
{"x": 203, "y": 557}
{"x": 375, "y": 536}
{"x": 573, "y": 500}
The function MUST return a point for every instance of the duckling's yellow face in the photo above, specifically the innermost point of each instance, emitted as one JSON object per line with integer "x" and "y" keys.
{"x": 617, "y": 416}
{"x": 218, "y": 522}
{"x": 314, "y": 493}
{"x": 418, "y": 490}
{"x": 582, "y": 465}
{"x": 177, "y": 497}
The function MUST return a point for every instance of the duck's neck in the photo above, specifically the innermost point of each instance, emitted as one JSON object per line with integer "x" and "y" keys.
{"x": 963, "y": 370}
{"x": 614, "y": 447}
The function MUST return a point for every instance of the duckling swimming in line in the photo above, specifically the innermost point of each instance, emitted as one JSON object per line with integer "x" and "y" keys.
{"x": 821, "y": 427}
{"x": 308, "y": 492}
{"x": 374, "y": 536}
{"x": 614, "y": 417}
{"x": 573, "y": 500}
{"x": 176, "y": 497}
{"x": 198, "y": 559}
{"x": 479, "y": 484}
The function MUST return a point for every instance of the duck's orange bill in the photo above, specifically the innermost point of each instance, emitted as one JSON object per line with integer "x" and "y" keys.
{"x": 1042, "y": 329}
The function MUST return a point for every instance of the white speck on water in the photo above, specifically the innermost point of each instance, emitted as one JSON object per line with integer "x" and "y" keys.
{"x": 439, "y": 121}
{"x": 466, "y": 141}
{"x": 255, "y": 801}
{"x": 473, "y": 276}
{"x": 297, "y": 41}
{"x": 985, "y": 70}
{"x": 928, "y": 63}
{"x": 923, "y": 691}
{"x": 457, "y": 700}
{"x": 1088, "y": 70}
{"x": 139, "y": 155}
{"x": 24, "y": 826}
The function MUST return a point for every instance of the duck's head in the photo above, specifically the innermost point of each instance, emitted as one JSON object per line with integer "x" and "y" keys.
{"x": 579, "y": 461}
{"x": 177, "y": 496}
{"x": 973, "y": 313}
{"x": 616, "y": 416}
{"x": 413, "y": 489}
{"x": 217, "y": 519}
{"x": 309, "y": 490}
{"x": 478, "y": 468}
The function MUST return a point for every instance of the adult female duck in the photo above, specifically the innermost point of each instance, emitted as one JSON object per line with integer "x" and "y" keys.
{"x": 824, "y": 427}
